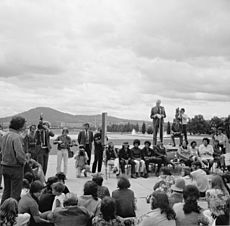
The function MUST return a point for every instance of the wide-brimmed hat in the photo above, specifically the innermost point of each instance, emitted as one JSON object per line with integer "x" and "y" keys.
{"x": 179, "y": 185}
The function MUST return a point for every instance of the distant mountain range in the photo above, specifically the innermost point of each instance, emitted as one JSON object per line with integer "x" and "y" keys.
{"x": 60, "y": 119}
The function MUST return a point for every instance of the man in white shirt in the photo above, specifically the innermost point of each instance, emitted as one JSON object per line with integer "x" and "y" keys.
{"x": 184, "y": 121}
{"x": 206, "y": 153}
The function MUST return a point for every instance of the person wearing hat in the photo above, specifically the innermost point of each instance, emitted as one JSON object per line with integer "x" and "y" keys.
{"x": 81, "y": 160}
{"x": 149, "y": 156}
{"x": 29, "y": 204}
{"x": 137, "y": 157}
{"x": 125, "y": 157}
{"x": 85, "y": 137}
{"x": 64, "y": 143}
{"x": 177, "y": 192}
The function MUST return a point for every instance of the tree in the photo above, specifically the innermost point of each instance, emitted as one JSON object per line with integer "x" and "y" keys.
{"x": 143, "y": 128}
{"x": 198, "y": 125}
{"x": 136, "y": 127}
{"x": 216, "y": 122}
{"x": 168, "y": 128}
{"x": 150, "y": 130}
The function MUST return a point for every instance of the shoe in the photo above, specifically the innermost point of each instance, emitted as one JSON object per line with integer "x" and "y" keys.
{"x": 146, "y": 175}
{"x": 133, "y": 176}
{"x": 137, "y": 174}
{"x": 1, "y": 187}
{"x": 85, "y": 174}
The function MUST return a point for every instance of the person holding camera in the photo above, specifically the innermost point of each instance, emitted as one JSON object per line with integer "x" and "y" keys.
{"x": 43, "y": 146}
{"x": 64, "y": 143}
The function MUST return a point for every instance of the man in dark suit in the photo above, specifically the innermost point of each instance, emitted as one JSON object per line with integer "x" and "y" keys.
{"x": 85, "y": 137}
{"x": 157, "y": 115}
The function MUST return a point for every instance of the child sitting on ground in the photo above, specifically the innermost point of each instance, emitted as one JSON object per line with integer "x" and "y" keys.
{"x": 25, "y": 187}
{"x": 57, "y": 190}
{"x": 81, "y": 162}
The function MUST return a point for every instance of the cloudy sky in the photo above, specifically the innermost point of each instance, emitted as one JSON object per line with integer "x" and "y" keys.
{"x": 119, "y": 56}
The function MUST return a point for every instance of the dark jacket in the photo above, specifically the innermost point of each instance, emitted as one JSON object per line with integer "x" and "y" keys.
{"x": 98, "y": 142}
{"x": 156, "y": 110}
{"x": 110, "y": 153}
{"x": 136, "y": 153}
{"x": 148, "y": 153}
{"x": 12, "y": 150}
{"x": 43, "y": 138}
{"x": 124, "y": 154}
{"x": 82, "y": 138}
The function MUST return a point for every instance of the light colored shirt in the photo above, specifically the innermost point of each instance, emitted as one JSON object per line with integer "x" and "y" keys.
{"x": 184, "y": 119}
{"x": 155, "y": 218}
{"x": 222, "y": 138}
{"x": 58, "y": 199}
{"x": 191, "y": 219}
{"x": 201, "y": 179}
{"x": 206, "y": 152}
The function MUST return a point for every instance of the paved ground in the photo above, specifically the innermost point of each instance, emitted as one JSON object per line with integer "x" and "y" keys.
{"x": 141, "y": 186}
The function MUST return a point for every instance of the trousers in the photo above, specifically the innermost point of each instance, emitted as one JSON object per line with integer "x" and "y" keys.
{"x": 62, "y": 155}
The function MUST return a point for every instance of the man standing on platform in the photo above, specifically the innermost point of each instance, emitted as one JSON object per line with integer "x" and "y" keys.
{"x": 85, "y": 137}
{"x": 157, "y": 115}
{"x": 184, "y": 121}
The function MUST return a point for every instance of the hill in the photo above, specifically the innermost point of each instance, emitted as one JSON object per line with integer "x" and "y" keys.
{"x": 60, "y": 119}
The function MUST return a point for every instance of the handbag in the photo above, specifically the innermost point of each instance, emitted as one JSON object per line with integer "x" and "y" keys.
{"x": 70, "y": 153}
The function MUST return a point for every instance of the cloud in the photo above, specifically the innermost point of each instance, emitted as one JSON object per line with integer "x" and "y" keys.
{"x": 85, "y": 57}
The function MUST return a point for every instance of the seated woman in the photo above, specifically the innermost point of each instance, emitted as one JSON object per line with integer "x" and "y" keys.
{"x": 137, "y": 157}
{"x": 90, "y": 199}
{"x": 217, "y": 196}
{"x": 206, "y": 153}
{"x": 149, "y": 156}
{"x": 108, "y": 214}
{"x": 125, "y": 198}
{"x": 162, "y": 214}
{"x": 184, "y": 154}
{"x": 217, "y": 155}
{"x": 112, "y": 158}
{"x": 189, "y": 212}
{"x": 9, "y": 214}
{"x": 194, "y": 150}
{"x": 125, "y": 157}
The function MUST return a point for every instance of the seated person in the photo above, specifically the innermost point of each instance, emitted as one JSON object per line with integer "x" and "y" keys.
{"x": 200, "y": 178}
{"x": 184, "y": 154}
{"x": 35, "y": 168}
{"x": 176, "y": 131}
{"x": 125, "y": 158}
{"x": 217, "y": 155}
{"x": 29, "y": 204}
{"x": 61, "y": 178}
{"x": 206, "y": 153}
{"x": 222, "y": 138}
{"x": 47, "y": 197}
{"x": 194, "y": 150}
{"x": 71, "y": 214}
{"x": 112, "y": 157}
{"x": 160, "y": 151}
{"x": 150, "y": 156}
{"x": 138, "y": 158}
{"x": 81, "y": 160}
{"x": 57, "y": 190}
{"x": 108, "y": 214}
{"x": 177, "y": 192}
{"x": 102, "y": 191}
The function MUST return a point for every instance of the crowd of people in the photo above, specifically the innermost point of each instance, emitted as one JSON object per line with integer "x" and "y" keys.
{"x": 29, "y": 199}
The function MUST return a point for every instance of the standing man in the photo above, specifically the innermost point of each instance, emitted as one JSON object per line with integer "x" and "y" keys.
{"x": 98, "y": 152}
{"x": 85, "y": 137}
{"x": 157, "y": 115}
{"x": 64, "y": 143}
{"x": 43, "y": 146}
{"x": 30, "y": 142}
{"x": 13, "y": 159}
{"x": 184, "y": 121}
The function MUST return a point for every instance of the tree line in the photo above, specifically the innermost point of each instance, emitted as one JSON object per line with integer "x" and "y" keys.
{"x": 196, "y": 125}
